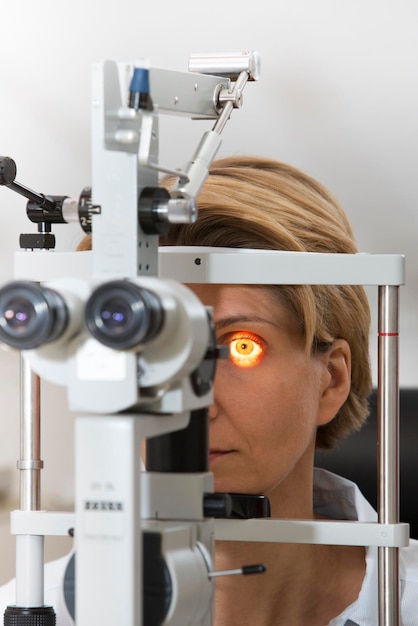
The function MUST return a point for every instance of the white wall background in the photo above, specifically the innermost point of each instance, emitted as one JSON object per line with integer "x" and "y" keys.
{"x": 338, "y": 97}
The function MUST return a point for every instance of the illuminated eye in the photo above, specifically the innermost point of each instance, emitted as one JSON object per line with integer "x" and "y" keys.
{"x": 245, "y": 350}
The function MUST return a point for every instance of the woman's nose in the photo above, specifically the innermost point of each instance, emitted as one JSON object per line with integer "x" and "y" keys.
{"x": 213, "y": 411}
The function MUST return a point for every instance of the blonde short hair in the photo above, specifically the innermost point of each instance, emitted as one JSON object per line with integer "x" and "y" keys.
{"x": 250, "y": 202}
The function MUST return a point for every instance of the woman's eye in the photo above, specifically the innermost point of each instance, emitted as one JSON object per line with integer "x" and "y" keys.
{"x": 245, "y": 350}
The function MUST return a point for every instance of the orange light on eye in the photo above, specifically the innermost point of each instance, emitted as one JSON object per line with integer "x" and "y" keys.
{"x": 245, "y": 351}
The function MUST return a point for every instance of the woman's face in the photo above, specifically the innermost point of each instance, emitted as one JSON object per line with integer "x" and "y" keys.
{"x": 267, "y": 395}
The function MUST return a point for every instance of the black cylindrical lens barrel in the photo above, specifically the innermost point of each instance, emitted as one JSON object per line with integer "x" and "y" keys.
{"x": 31, "y": 315}
{"x": 123, "y": 315}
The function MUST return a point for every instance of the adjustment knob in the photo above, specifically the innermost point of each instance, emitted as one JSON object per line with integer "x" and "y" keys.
{"x": 7, "y": 170}
{"x": 217, "y": 505}
{"x": 35, "y": 616}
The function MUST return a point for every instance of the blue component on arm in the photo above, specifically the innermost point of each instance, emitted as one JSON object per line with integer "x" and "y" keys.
{"x": 140, "y": 81}
{"x": 139, "y": 91}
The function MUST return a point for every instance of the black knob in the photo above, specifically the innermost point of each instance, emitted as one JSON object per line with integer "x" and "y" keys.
{"x": 34, "y": 616}
{"x": 217, "y": 505}
{"x": 7, "y": 170}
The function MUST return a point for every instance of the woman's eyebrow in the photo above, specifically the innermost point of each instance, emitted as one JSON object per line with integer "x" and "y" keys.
{"x": 240, "y": 319}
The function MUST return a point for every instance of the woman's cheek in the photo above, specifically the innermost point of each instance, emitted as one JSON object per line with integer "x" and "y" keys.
{"x": 230, "y": 375}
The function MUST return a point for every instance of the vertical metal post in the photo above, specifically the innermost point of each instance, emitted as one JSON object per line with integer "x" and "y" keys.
{"x": 30, "y": 462}
{"x": 388, "y": 450}
{"x": 29, "y": 609}
{"x": 29, "y": 548}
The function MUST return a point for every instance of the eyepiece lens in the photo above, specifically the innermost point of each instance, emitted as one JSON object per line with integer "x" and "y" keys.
{"x": 19, "y": 314}
{"x": 116, "y": 315}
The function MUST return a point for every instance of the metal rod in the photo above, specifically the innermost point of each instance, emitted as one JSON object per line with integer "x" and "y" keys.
{"x": 29, "y": 548}
{"x": 30, "y": 462}
{"x": 388, "y": 450}
{"x": 228, "y": 106}
{"x": 33, "y": 196}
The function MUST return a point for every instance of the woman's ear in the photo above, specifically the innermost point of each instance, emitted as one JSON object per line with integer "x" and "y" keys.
{"x": 336, "y": 388}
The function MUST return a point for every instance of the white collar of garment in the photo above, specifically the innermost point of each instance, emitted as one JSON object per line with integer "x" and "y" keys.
{"x": 339, "y": 498}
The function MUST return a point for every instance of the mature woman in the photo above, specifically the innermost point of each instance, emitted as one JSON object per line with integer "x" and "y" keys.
{"x": 298, "y": 377}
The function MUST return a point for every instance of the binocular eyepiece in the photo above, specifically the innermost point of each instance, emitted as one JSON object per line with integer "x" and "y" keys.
{"x": 116, "y": 345}
{"x": 119, "y": 314}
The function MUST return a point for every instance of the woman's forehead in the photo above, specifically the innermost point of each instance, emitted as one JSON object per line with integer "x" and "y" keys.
{"x": 242, "y": 302}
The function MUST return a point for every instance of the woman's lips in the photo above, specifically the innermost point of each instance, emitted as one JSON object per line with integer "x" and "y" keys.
{"x": 217, "y": 454}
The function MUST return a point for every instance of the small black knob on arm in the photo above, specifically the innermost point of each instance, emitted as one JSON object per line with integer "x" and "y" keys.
{"x": 7, "y": 170}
